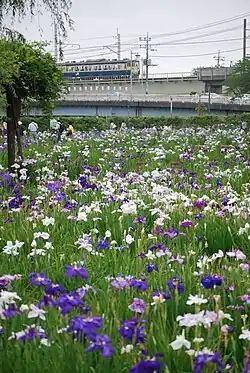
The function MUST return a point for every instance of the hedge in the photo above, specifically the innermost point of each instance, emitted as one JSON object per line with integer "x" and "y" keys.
{"x": 101, "y": 123}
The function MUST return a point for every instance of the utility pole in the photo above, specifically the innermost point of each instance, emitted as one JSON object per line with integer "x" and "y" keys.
{"x": 131, "y": 75}
{"x": 146, "y": 39}
{"x": 118, "y": 45}
{"x": 244, "y": 39}
{"x": 219, "y": 59}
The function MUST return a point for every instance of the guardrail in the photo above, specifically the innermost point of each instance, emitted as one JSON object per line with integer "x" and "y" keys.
{"x": 155, "y": 98}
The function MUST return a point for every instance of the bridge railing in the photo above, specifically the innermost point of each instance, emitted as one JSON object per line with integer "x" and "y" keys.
{"x": 149, "y": 98}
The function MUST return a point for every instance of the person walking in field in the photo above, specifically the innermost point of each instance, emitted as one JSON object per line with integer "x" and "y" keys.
{"x": 60, "y": 131}
{"x": 33, "y": 129}
{"x": 70, "y": 130}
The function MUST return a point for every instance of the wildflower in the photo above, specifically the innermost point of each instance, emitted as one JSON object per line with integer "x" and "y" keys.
{"x": 140, "y": 219}
{"x": 151, "y": 267}
{"x": 39, "y": 279}
{"x": 30, "y": 333}
{"x": 245, "y": 266}
{"x": 127, "y": 349}
{"x": 103, "y": 344}
{"x": 120, "y": 283}
{"x": 187, "y": 223}
{"x": 48, "y": 221}
{"x": 11, "y": 311}
{"x": 201, "y": 360}
{"x": 151, "y": 365}
{"x": 195, "y": 299}
{"x": 129, "y": 239}
{"x": 66, "y": 302}
{"x": 103, "y": 244}
{"x": 43, "y": 235}
{"x": 138, "y": 283}
{"x": 107, "y": 234}
{"x": 208, "y": 282}
{"x": 227, "y": 329}
{"x": 245, "y": 334}
{"x": 180, "y": 342}
{"x": 175, "y": 283}
{"x": 239, "y": 255}
{"x": 75, "y": 271}
{"x": 8, "y": 297}
{"x": 36, "y": 312}
{"x": 12, "y": 249}
{"x": 133, "y": 330}
{"x": 138, "y": 305}
{"x": 86, "y": 325}
{"x": 128, "y": 208}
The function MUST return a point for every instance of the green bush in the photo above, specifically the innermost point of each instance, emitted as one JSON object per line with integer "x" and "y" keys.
{"x": 101, "y": 123}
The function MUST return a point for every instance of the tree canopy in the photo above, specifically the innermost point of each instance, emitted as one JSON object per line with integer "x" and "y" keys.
{"x": 238, "y": 82}
{"x": 29, "y": 73}
{"x": 59, "y": 9}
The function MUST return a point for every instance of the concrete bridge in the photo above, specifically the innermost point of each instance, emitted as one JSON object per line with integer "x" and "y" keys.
{"x": 144, "y": 105}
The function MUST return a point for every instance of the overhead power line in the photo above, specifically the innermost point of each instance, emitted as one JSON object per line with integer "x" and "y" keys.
{"x": 198, "y": 55}
{"x": 208, "y": 25}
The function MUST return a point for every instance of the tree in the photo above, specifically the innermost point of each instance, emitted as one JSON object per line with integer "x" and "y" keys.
{"x": 32, "y": 74}
{"x": 59, "y": 9}
{"x": 238, "y": 82}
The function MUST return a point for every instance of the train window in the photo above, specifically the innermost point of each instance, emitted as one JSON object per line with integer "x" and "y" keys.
{"x": 80, "y": 88}
{"x": 90, "y": 88}
{"x": 86, "y": 68}
{"x": 119, "y": 67}
{"x": 90, "y": 68}
{"x": 120, "y": 88}
{"x": 103, "y": 87}
{"x": 76, "y": 68}
{"x": 99, "y": 67}
{"x": 109, "y": 67}
{"x": 85, "y": 88}
{"x": 82, "y": 68}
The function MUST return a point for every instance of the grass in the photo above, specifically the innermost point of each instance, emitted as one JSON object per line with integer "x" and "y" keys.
{"x": 164, "y": 176}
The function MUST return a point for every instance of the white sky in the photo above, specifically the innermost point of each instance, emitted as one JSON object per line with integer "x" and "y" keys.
{"x": 97, "y": 19}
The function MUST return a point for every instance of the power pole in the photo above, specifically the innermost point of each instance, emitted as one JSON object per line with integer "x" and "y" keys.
{"x": 146, "y": 39}
{"x": 219, "y": 59}
{"x": 244, "y": 39}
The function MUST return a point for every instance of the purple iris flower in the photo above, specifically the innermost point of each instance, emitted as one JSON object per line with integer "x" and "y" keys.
{"x": 152, "y": 267}
{"x": 32, "y": 333}
{"x": 103, "y": 344}
{"x": 175, "y": 283}
{"x": 47, "y": 301}
{"x": 103, "y": 244}
{"x": 140, "y": 219}
{"x": 202, "y": 360}
{"x": 138, "y": 305}
{"x": 157, "y": 293}
{"x": 208, "y": 282}
{"x": 171, "y": 233}
{"x": 133, "y": 328}
{"x": 11, "y": 311}
{"x": 140, "y": 284}
{"x": 86, "y": 325}
{"x": 66, "y": 302}
{"x": 147, "y": 366}
{"x": 74, "y": 271}
{"x": 54, "y": 289}
{"x": 39, "y": 279}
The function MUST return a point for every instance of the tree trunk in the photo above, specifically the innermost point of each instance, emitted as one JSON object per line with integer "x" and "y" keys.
{"x": 13, "y": 115}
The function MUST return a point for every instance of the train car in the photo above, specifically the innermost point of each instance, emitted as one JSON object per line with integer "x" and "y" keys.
{"x": 101, "y": 69}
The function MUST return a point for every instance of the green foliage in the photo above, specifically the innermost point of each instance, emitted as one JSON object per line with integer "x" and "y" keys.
{"x": 59, "y": 9}
{"x": 238, "y": 81}
{"x": 31, "y": 72}
{"x": 101, "y": 123}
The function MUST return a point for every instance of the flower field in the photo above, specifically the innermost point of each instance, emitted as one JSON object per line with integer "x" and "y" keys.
{"x": 127, "y": 252}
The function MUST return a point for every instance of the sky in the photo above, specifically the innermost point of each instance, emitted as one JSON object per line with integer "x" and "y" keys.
{"x": 96, "y": 23}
